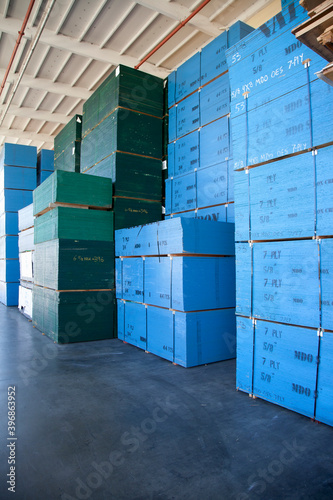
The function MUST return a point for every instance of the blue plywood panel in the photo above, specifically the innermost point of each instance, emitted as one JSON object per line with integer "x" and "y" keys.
{"x": 286, "y": 282}
{"x": 177, "y": 236}
{"x": 243, "y": 279}
{"x": 242, "y": 211}
{"x": 132, "y": 286}
{"x": 9, "y": 293}
{"x": 326, "y": 281}
{"x": 238, "y": 31}
{"x": 244, "y": 354}
{"x": 188, "y": 77}
{"x": 12, "y": 200}
{"x": 186, "y": 154}
{"x": 9, "y": 247}
{"x": 204, "y": 337}
{"x": 216, "y": 213}
{"x": 183, "y": 193}
{"x": 282, "y": 199}
{"x": 9, "y": 270}
{"x": 214, "y": 100}
{"x": 42, "y": 176}
{"x": 168, "y": 196}
{"x": 18, "y": 155}
{"x": 212, "y": 185}
{"x": 231, "y": 212}
{"x": 324, "y": 184}
{"x": 231, "y": 181}
{"x": 172, "y": 124}
{"x": 119, "y": 278}
{"x": 45, "y": 160}
{"x": 213, "y": 276}
{"x": 214, "y": 142}
{"x": 324, "y": 407}
{"x": 160, "y": 336}
{"x": 135, "y": 327}
{"x": 188, "y": 115}
{"x": 285, "y": 366}
{"x": 121, "y": 319}
{"x": 17, "y": 178}
{"x": 322, "y": 105}
{"x": 213, "y": 59}
{"x": 171, "y": 159}
{"x": 171, "y": 89}
{"x": 157, "y": 281}
{"x": 9, "y": 223}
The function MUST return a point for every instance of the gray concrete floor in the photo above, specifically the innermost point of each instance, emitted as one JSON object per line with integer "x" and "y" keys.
{"x": 104, "y": 420}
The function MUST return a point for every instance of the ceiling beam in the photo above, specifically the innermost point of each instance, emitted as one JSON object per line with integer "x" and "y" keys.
{"x": 54, "y": 87}
{"x": 28, "y": 136}
{"x": 38, "y": 114}
{"x": 84, "y": 49}
{"x": 178, "y": 12}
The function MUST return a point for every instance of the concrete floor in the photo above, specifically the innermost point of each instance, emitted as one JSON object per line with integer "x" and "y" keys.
{"x": 104, "y": 420}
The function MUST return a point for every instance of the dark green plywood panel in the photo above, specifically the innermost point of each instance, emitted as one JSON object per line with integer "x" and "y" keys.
{"x": 69, "y": 158}
{"x": 130, "y": 213}
{"x": 70, "y": 133}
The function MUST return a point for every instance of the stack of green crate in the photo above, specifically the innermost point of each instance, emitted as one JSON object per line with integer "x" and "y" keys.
{"x": 73, "y": 293}
{"x": 165, "y": 138}
{"x": 122, "y": 139}
{"x": 67, "y": 146}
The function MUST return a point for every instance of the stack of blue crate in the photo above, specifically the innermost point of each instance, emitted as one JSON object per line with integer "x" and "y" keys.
{"x": 17, "y": 181}
{"x": 282, "y": 117}
{"x": 200, "y": 166}
{"x": 45, "y": 165}
{"x": 175, "y": 285}
{"x": 26, "y": 259}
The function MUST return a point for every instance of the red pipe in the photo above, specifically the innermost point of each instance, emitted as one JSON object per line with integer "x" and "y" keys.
{"x": 17, "y": 43}
{"x": 173, "y": 32}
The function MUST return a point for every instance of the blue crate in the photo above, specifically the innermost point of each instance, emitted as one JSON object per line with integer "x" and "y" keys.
{"x": 212, "y": 185}
{"x": 204, "y": 337}
{"x": 12, "y": 200}
{"x": 244, "y": 354}
{"x": 9, "y": 293}
{"x": 172, "y": 124}
{"x": 242, "y": 211}
{"x": 157, "y": 281}
{"x": 285, "y": 366}
{"x": 243, "y": 279}
{"x": 214, "y": 100}
{"x": 286, "y": 282}
{"x": 322, "y": 105}
{"x": 17, "y": 178}
{"x": 231, "y": 212}
{"x": 237, "y": 31}
{"x": 181, "y": 195}
{"x": 9, "y": 247}
{"x": 176, "y": 236}
{"x": 231, "y": 181}
{"x": 188, "y": 114}
{"x": 160, "y": 332}
{"x": 171, "y": 89}
{"x": 213, "y": 59}
{"x": 324, "y": 191}
{"x": 188, "y": 77}
{"x": 186, "y": 154}
{"x": 135, "y": 324}
{"x": 42, "y": 176}
{"x": 214, "y": 142}
{"x": 324, "y": 406}
{"x": 326, "y": 282}
{"x": 121, "y": 319}
{"x": 200, "y": 283}
{"x": 9, "y": 223}
{"x": 119, "y": 278}
{"x": 171, "y": 159}
{"x": 132, "y": 279}
{"x": 18, "y": 155}
{"x": 9, "y": 270}
{"x": 45, "y": 160}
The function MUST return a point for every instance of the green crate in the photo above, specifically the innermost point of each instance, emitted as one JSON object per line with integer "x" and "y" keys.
{"x": 68, "y": 135}
{"x": 125, "y": 87}
{"x": 68, "y": 317}
{"x": 132, "y": 176}
{"x": 131, "y": 212}
{"x": 74, "y": 265}
{"x": 125, "y": 131}
{"x": 70, "y": 158}
{"x": 73, "y": 188}
{"x": 74, "y": 223}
